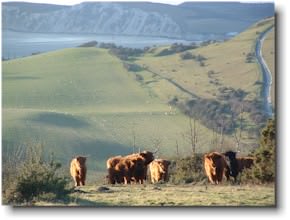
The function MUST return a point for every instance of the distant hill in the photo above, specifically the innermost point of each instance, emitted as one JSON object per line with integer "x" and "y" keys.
{"x": 190, "y": 20}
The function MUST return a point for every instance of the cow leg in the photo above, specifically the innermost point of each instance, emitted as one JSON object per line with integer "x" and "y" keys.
{"x": 210, "y": 178}
{"x": 83, "y": 182}
{"x": 77, "y": 181}
{"x": 127, "y": 180}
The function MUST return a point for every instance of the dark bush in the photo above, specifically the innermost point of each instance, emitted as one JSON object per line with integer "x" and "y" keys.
{"x": 89, "y": 44}
{"x": 186, "y": 56}
{"x": 263, "y": 170}
{"x": 139, "y": 77}
{"x": 165, "y": 52}
{"x": 132, "y": 67}
{"x": 250, "y": 58}
{"x": 187, "y": 170}
{"x": 124, "y": 53}
{"x": 176, "y": 48}
{"x": 34, "y": 179}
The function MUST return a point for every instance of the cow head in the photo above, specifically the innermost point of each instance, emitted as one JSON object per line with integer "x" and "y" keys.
{"x": 163, "y": 165}
{"x": 148, "y": 157}
{"x": 81, "y": 161}
{"x": 231, "y": 155}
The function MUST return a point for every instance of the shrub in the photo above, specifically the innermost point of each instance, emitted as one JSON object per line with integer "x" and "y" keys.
{"x": 250, "y": 58}
{"x": 139, "y": 77}
{"x": 263, "y": 170}
{"x": 132, "y": 67}
{"x": 177, "y": 48}
{"x": 89, "y": 44}
{"x": 186, "y": 56}
{"x": 35, "y": 179}
{"x": 187, "y": 170}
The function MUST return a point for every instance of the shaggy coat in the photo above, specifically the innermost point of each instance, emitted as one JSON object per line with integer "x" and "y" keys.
{"x": 78, "y": 170}
{"x": 111, "y": 164}
{"x": 129, "y": 168}
{"x": 158, "y": 169}
{"x": 215, "y": 167}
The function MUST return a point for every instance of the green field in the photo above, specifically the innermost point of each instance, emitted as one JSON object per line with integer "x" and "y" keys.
{"x": 83, "y": 101}
{"x": 171, "y": 195}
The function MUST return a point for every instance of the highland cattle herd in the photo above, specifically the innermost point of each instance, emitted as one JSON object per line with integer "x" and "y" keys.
{"x": 140, "y": 167}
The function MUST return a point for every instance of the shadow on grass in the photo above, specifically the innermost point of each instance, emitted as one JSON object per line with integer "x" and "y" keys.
{"x": 87, "y": 203}
{"x": 59, "y": 119}
{"x": 20, "y": 78}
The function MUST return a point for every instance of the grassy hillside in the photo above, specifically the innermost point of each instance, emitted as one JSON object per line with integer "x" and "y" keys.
{"x": 225, "y": 66}
{"x": 83, "y": 100}
{"x": 171, "y": 195}
{"x": 226, "y": 59}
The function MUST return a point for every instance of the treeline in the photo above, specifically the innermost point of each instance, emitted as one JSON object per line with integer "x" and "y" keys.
{"x": 177, "y": 48}
{"x": 223, "y": 113}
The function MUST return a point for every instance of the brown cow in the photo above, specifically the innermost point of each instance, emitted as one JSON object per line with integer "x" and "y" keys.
{"x": 238, "y": 164}
{"x": 111, "y": 163}
{"x": 78, "y": 170}
{"x": 127, "y": 168}
{"x": 133, "y": 166}
{"x": 147, "y": 158}
{"x": 159, "y": 170}
{"x": 215, "y": 167}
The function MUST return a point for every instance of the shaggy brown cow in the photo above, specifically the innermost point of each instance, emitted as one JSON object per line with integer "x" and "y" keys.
{"x": 159, "y": 170}
{"x": 215, "y": 167}
{"x": 238, "y": 164}
{"x": 78, "y": 170}
{"x": 127, "y": 168}
{"x": 139, "y": 175}
{"x": 133, "y": 166}
{"x": 111, "y": 163}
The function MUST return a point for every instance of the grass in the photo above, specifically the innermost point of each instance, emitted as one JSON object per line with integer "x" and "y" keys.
{"x": 82, "y": 101}
{"x": 172, "y": 195}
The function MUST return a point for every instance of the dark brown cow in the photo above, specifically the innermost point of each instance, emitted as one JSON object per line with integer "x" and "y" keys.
{"x": 215, "y": 167}
{"x": 159, "y": 170}
{"x": 78, "y": 170}
{"x": 238, "y": 164}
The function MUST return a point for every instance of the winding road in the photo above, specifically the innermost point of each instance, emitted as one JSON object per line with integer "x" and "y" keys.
{"x": 267, "y": 76}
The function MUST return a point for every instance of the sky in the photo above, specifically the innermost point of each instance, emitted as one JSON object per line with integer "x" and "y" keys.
{"x": 73, "y": 2}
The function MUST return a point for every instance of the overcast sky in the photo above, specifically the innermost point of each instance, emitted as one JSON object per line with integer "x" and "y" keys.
{"x": 72, "y": 2}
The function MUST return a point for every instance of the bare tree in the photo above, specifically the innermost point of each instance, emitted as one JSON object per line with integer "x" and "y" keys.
{"x": 156, "y": 144}
{"x": 238, "y": 132}
{"x": 221, "y": 139}
{"x": 177, "y": 149}
{"x": 214, "y": 139}
{"x": 193, "y": 134}
{"x": 134, "y": 140}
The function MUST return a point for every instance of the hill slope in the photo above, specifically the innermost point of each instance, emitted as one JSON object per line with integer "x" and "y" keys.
{"x": 83, "y": 100}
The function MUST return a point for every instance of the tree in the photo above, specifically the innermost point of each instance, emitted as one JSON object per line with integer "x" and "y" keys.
{"x": 263, "y": 170}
